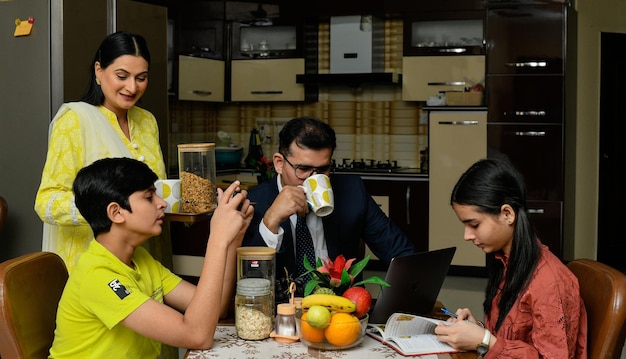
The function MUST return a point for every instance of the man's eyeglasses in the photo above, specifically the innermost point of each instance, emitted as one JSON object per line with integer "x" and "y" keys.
{"x": 303, "y": 172}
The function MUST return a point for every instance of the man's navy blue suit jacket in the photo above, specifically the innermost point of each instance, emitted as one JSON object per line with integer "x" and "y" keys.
{"x": 356, "y": 216}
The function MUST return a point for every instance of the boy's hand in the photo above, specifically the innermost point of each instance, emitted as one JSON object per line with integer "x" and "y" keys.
{"x": 233, "y": 213}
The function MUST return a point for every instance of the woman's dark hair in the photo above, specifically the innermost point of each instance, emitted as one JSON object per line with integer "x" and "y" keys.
{"x": 487, "y": 185}
{"x": 105, "y": 181}
{"x": 113, "y": 46}
{"x": 307, "y": 132}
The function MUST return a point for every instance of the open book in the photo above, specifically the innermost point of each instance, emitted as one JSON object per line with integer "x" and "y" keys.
{"x": 410, "y": 335}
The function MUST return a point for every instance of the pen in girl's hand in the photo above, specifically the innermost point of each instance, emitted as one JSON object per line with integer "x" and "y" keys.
{"x": 453, "y": 315}
{"x": 449, "y": 313}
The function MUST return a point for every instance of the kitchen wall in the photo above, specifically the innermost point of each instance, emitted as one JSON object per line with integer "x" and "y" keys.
{"x": 371, "y": 122}
{"x": 582, "y": 131}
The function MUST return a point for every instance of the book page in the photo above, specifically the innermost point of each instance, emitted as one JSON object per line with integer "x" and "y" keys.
{"x": 400, "y": 324}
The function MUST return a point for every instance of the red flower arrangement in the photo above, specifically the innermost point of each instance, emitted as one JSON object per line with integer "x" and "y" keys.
{"x": 337, "y": 276}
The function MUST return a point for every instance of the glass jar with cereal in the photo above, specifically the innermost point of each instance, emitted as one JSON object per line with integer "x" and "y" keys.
{"x": 196, "y": 167}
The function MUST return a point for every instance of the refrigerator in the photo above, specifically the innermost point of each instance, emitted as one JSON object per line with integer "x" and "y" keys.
{"x": 41, "y": 70}
{"x": 457, "y": 140}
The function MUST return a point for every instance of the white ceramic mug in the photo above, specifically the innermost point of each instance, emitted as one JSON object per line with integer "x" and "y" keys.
{"x": 169, "y": 190}
{"x": 319, "y": 194}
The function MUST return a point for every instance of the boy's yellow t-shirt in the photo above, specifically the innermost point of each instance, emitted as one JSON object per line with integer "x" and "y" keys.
{"x": 99, "y": 294}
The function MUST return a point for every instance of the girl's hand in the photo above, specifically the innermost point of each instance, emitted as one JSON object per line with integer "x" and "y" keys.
{"x": 461, "y": 334}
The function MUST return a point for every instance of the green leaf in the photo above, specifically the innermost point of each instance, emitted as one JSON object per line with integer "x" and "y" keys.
{"x": 345, "y": 277}
{"x": 357, "y": 268}
{"x": 373, "y": 280}
{"x": 307, "y": 265}
{"x": 310, "y": 287}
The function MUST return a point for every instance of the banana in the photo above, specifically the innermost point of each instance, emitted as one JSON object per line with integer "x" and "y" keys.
{"x": 334, "y": 303}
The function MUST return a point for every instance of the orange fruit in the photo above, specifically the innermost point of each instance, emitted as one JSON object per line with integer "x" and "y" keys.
{"x": 344, "y": 329}
{"x": 309, "y": 333}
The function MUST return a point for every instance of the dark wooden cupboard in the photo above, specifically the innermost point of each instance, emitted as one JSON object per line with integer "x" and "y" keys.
{"x": 526, "y": 47}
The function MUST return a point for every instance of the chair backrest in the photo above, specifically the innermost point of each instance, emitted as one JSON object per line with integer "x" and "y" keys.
{"x": 30, "y": 289}
{"x": 4, "y": 210}
{"x": 603, "y": 290}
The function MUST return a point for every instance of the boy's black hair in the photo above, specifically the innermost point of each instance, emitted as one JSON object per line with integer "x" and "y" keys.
{"x": 105, "y": 181}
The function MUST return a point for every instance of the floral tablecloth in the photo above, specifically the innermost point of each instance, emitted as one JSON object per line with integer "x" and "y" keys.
{"x": 228, "y": 345}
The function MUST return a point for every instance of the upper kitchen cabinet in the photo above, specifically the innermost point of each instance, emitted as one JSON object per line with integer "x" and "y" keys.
{"x": 266, "y": 53}
{"x": 442, "y": 51}
{"x": 526, "y": 39}
{"x": 266, "y": 80}
{"x": 200, "y": 79}
{"x": 444, "y": 33}
{"x": 425, "y": 76}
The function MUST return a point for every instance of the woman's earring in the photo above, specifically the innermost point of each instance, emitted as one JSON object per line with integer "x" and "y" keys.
{"x": 98, "y": 81}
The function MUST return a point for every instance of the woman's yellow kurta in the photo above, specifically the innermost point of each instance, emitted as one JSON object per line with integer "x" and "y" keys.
{"x": 80, "y": 134}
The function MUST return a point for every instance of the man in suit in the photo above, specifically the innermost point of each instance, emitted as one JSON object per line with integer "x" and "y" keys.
{"x": 306, "y": 146}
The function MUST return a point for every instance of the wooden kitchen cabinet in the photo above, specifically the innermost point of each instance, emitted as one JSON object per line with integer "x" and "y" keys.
{"x": 267, "y": 80}
{"x": 200, "y": 79}
{"x": 526, "y": 39}
{"x": 525, "y": 99}
{"x": 425, "y": 76}
{"x": 526, "y": 51}
{"x": 457, "y": 140}
{"x": 536, "y": 150}
{"x": 407, "y": 204}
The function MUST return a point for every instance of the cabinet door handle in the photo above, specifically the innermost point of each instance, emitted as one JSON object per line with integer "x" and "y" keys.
{"x": 536, "y": 211}
{"x": 458, "y": 123}
{"x": 408, "y": 201}
{"x": 527, "y": 64}
{"x": 451, "y": 83}
{"x": 530, "y": 133}
{"x": 202, "y": 93}
{"x": 457, "y": 50}
{"x": 527, "y": 113}
{"x": 266, "y": 92}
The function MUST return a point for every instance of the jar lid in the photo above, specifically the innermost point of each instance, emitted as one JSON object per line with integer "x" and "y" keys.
{"x": 257, "y": 252}
{"x": 196, "y": 147}
{"x": 297, "y": 302}
{"x": 286, "y": 309}
{"x": 253, "y": 286}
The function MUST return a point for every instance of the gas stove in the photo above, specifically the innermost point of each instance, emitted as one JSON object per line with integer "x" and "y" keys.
{"x": 367, "y": 166}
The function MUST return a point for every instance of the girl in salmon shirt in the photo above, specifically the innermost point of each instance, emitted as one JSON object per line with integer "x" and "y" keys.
{"x": 533, "y": 307}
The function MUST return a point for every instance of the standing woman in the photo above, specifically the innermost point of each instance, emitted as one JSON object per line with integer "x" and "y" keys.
{"x": 533, "y": 307}
{"x": 105, "y": 122}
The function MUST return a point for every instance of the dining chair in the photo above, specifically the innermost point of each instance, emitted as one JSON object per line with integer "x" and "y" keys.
{"x": 30, "y": 289}
{"x": 4, "y": 210}
{"x": 603, "y": 290}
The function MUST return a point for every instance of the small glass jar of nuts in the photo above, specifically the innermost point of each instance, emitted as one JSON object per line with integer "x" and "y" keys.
{"x": 196, "y": 167}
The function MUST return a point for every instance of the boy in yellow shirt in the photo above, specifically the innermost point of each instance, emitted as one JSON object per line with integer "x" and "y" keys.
{"x": 119, "y": 302}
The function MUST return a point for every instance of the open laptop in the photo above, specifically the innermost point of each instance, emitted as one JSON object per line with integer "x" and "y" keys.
{"x": 415, "y": 281}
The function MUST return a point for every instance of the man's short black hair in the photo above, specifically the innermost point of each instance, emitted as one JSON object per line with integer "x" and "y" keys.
{"x": 105, "y": 181}
{"x": 307, "y": 132}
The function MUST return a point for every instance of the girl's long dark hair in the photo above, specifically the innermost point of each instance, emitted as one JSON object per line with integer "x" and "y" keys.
{"x": 488, "y": 184}
{"x": 113, "y": 46}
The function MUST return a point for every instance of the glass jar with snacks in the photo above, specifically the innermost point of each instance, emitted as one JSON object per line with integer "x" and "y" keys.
{"x": 253, "y": 309}
{"x": 196, "y": 167}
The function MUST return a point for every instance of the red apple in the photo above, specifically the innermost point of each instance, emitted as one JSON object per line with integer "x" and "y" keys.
{"x": 361, "y": 297}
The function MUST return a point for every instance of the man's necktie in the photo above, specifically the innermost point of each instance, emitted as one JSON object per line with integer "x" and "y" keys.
{"x": 304, "y": 245}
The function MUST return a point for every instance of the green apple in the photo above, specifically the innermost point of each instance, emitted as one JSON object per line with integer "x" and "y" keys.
{"x": 318, "y": 316}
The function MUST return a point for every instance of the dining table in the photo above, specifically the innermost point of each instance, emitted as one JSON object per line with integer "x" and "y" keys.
{"x": 228, "y": 345}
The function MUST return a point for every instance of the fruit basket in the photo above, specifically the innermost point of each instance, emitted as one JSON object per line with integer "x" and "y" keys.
{"x": 344, "y": 331}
